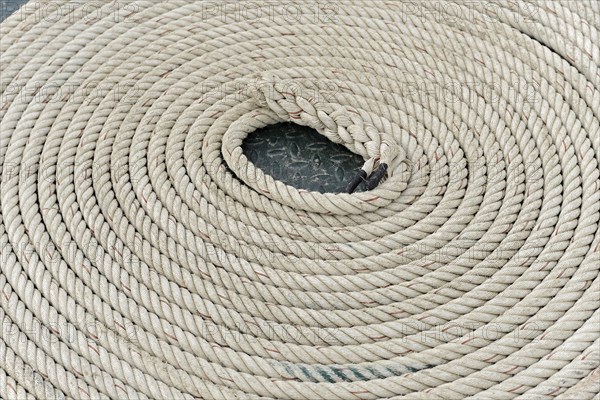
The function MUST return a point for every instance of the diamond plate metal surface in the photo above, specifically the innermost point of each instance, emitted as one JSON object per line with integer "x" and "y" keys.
{"x": 301, "y": 157}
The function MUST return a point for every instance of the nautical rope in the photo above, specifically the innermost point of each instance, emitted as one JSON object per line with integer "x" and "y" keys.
{"x": 144, "y": 256}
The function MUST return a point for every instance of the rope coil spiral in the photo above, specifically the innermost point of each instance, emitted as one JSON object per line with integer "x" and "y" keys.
{"x": 144, "y": 256}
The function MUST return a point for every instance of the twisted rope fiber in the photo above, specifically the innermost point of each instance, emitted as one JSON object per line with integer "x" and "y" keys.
{"x": 144, "y": 256}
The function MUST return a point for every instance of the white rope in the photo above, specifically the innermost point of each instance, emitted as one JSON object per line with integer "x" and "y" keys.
{"x": 144, "y": 256}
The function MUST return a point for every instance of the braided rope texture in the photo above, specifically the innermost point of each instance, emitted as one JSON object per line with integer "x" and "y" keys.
{"x": 144, "y": 256}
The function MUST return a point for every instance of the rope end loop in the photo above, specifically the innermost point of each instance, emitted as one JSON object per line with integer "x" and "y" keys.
{"x": 377, "y": 176}
{"x": 371, "y": 183}
{"x": 360, "y": 177}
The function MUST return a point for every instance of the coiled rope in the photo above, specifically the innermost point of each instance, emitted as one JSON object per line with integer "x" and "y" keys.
{"x": 144, "y": 256}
